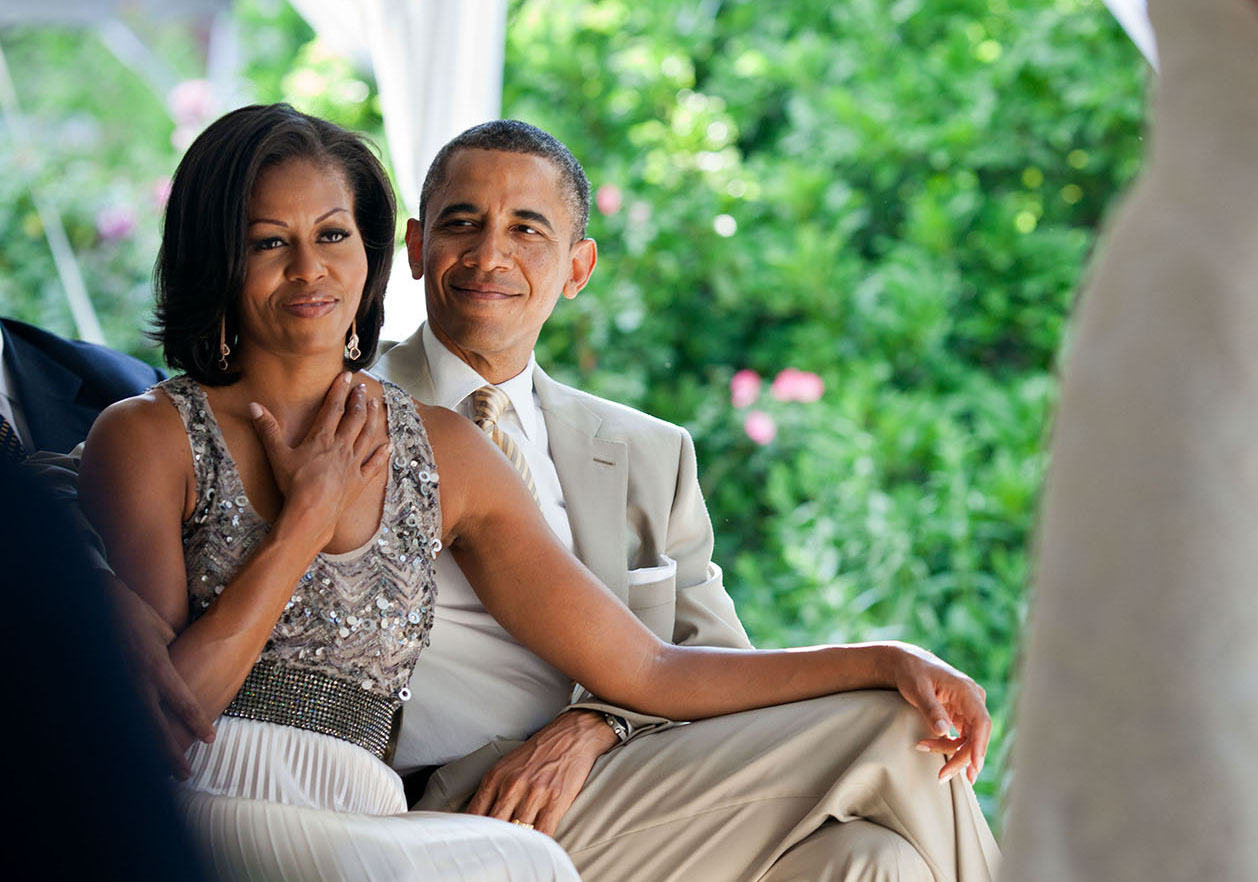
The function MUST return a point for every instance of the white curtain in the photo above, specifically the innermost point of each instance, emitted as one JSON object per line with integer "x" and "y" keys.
{"x": 438, "y": 66}
{"x": 72, "y": 12}
{"x": 1133, "y": 15}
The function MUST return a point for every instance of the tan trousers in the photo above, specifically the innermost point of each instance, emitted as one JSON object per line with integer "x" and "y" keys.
{"x": 853, "y": 851}
{"x": 820, "y": 790}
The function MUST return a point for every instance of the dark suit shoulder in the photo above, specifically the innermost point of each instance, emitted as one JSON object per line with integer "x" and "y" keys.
{"x": 110, "y": 374}
{"x": 61, "y": 385}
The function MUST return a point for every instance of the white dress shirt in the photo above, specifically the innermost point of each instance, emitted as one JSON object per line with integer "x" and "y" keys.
{"x": 475, "y": 682}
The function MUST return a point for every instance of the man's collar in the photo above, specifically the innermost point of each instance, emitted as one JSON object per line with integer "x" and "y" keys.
{"x": 453, "y": 380}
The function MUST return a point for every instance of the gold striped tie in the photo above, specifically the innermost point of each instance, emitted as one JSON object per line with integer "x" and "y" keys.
{"x": 10, "y": 443}
{"x": 488, "y": 403}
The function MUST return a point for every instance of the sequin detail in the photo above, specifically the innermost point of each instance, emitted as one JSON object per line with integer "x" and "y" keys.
{"x": 360, "y": 617}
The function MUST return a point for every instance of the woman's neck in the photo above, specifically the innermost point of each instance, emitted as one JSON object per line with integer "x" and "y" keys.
{"x": 292, "y": 388}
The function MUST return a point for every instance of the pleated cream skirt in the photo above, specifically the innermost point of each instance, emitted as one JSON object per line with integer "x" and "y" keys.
{"x": 270, "y": 802}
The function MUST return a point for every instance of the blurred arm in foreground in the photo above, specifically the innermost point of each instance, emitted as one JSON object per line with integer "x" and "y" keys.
{"x": 1135, "y": 757}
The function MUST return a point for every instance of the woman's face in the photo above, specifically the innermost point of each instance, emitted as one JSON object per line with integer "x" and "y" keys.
{"x": 306, "y": 264}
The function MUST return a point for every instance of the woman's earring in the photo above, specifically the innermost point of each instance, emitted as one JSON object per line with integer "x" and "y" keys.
{"x": 351, "y": 345}
{"x": 223, "y": 349}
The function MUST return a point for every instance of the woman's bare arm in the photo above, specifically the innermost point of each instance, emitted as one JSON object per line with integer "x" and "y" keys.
{"x": 558, "y": 609}
{"x": 137, "y": 487}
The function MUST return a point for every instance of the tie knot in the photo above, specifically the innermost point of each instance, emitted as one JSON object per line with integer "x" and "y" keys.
{"x": 488, "y": 403}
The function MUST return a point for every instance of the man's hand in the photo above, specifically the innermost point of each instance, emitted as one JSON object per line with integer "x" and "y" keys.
{"x": 946, "y": 698}
{"x": 537, "y": 782}
{"x": 174, "y": 710}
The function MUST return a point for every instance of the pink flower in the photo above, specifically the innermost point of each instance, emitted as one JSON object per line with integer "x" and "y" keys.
{"x": 192, "y": 103}
{"x": 796, "y": 385}
{"x": 607, "y": 198}
{"x": 760, "y": 427}
{"x": 161, "y": 192}
{"x": 744, "y": 388}
{"x": 114, "y": 222}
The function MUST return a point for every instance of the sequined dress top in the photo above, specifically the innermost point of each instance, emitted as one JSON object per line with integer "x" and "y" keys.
{"x": 340, "y": 656}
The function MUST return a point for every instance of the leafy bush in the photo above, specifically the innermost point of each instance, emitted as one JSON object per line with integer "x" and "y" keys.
{"x": 72, "y": 156}
{"x": 102, "y": 142}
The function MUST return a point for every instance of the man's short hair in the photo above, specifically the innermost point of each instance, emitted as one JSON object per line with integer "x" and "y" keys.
{"x": 513, "y": 136}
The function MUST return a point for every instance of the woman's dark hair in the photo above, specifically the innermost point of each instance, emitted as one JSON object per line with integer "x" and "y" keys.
{"x": 200, "y": 270}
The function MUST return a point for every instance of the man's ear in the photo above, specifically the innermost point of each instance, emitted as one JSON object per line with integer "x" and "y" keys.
{"x": 584, "y": 256}
{"x": 415, "y": 247}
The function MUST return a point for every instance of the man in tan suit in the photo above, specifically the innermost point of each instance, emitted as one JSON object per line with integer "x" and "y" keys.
{"x": 818, "y": 790}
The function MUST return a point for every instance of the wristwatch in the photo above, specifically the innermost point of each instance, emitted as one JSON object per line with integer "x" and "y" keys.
{"x": 619, "y": 725}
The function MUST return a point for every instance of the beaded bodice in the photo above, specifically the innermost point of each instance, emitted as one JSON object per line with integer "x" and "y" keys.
{"x": 362, "y": 616}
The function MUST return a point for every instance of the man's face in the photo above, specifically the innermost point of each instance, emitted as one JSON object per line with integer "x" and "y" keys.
{"x": 495, "y": 253}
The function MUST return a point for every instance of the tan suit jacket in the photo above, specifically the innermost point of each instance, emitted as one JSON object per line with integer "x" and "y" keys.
{"x": 622, "y": 519}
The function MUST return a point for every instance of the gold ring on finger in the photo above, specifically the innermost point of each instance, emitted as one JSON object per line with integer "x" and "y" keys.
{"x": 524, "y": 824}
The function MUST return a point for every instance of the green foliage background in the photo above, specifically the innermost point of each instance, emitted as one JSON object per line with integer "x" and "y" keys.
{"x": 907, "y": 192}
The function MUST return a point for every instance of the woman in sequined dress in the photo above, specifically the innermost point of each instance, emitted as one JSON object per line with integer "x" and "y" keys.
{"x": 294, "y": 564}
{"x": 279, "y": 508}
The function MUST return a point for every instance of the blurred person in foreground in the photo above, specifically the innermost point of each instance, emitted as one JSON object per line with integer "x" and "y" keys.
{"x": 78, "y": 738}
{"x": 51, "y": 390}
{"x": 1135, "y": 755}
{"x": 821, "y": 790}
{"x": 282, "y": 510}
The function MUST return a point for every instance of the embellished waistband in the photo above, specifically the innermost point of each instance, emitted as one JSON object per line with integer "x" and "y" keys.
{"x": 277, "y": 693}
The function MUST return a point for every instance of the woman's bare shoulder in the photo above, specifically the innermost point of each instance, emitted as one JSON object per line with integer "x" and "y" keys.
{"x": 144, "y": 430}
{"x": 149, "y": 415}
{"x": 436, "y": 414}
{"x": 450, "y": 433}
{"x": 465, "y": 459}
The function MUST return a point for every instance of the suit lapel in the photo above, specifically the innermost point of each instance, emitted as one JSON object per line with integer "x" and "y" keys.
{"x": 594, "y": 475}
{"x": 407, "y": 365}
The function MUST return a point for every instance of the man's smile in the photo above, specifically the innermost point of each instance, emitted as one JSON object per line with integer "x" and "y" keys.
{"x": 485, "y": 291}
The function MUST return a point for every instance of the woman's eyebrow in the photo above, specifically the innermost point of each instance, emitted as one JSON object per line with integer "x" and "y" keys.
{"x": 279, "y": 223}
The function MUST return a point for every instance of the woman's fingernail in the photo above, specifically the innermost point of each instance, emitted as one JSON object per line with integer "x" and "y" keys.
{"x": 347, "y": 377}
{"x": 924, "y": 748}
{"x": 255, "y": 409}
